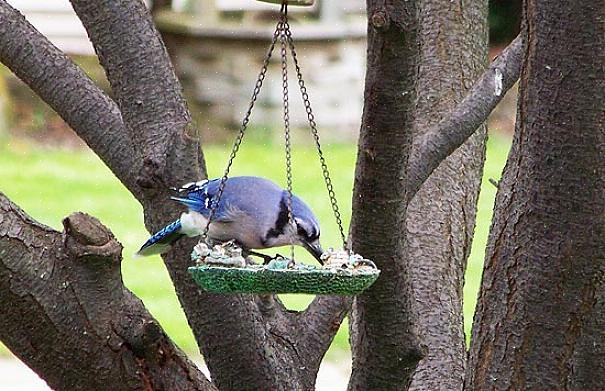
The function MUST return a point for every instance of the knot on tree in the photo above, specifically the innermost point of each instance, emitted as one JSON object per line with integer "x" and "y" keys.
{"x": 141, "y": 333}
{"x": 150, "y": 176}
{"x": 86, "y": 238}
{"x": 380, "y": 20}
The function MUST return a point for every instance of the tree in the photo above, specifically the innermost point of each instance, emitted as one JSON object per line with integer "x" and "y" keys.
{"x": 540, "y": 320}
{"x": 417, "y": 177}
{"x": 409, "y": 81}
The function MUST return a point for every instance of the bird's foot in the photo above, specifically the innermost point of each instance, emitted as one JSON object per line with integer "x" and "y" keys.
{"x": 266, "y": 258}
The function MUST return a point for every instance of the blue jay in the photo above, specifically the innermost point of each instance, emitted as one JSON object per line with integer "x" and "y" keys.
{"x": 252, "y": 211}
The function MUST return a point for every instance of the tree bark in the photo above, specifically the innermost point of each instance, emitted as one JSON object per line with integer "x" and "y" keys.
{"x": 66, "y": 313}
{"x": 540, "y": 322}
{"x": 433, "y": 145}
{"x": 422, "y": 58}
{"x": 441, "y": 217}
{"x": 252, "y": 342}
{"x": 385, "y": 342}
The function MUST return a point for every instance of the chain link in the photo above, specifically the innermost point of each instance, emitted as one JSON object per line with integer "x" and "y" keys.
{"x": 315, "y": 133}
{"x": 243, "y": 127}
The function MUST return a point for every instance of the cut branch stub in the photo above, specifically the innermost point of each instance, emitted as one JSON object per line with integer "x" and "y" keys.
{"x": 86, "y": 237}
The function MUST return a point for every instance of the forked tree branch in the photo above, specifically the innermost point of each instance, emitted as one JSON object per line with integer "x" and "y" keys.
{"x": 67, "y": 314}
{"x": 320, "y": 322}
{"x": 65, "y": 87}
{"x": 145, "y": 143}
{"x": 430, "y": 149}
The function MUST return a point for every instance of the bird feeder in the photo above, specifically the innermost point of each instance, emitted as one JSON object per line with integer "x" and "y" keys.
{"x": 222, "y": 268}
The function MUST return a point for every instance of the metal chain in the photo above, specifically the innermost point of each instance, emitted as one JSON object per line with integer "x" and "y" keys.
{"x": 243, "y": 127}
{"x": 314, "y": 131}
{"x": 288, "y": 146}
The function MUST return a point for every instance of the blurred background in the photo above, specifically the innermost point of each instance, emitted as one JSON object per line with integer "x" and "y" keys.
{"x": 217, "y": 47}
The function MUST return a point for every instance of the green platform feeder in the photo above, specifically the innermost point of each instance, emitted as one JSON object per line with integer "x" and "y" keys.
{"x": 223, "y": 268}
{"x": 227, "y": 272}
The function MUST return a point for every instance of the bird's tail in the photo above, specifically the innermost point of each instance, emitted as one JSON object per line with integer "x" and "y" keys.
{"x": 161, "y": 241}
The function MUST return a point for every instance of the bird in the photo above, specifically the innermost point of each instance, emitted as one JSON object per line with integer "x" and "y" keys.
{"x": 252, "y": 212}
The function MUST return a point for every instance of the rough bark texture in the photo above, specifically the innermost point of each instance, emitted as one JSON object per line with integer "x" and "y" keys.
{"x": 247, "y": 341}
{"x": 141, "y": 76}
{"x": 385, "y": 343}
{"x": 66, "y": 313}
{"x": 422, "y": 58}
{"x": 540, "y": 323}
{"x": 441, "y": 217}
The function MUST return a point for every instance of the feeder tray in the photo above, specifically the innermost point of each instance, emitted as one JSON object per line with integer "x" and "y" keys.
{"x": 227, "y": 272}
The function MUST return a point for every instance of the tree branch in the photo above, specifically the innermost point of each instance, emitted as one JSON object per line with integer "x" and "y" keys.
{"x": 68, "y": 287}
{"x": 319, "y": 323}
{"x": 145, "y": 86}
{"x": 430, "y": 149}
{"x": 63, "y": 85}
{"x": 385, "y": 342}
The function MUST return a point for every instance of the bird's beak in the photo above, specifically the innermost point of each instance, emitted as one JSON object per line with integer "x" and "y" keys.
{"x": 315, "y": 249}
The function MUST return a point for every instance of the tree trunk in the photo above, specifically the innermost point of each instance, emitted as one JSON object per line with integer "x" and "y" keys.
{"x": 540, "y": 322}
{"x": 441, "y": 217}
{"x": 252, "y": 342}
{"x": 145, "y": 137}
{"x": 414, "y": 74}
{"x": 385, "y": 343}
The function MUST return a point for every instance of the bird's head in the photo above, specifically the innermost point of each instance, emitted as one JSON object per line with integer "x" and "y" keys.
{"x": 307, "y": 235}
{"x": 303, "y": 230}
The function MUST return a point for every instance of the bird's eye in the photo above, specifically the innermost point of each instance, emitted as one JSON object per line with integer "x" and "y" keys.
{"x": 301, "y": 231}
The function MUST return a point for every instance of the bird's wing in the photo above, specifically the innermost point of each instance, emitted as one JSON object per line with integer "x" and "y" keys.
{"x": 199, "y": 197}
{"x": 253, "y": 197}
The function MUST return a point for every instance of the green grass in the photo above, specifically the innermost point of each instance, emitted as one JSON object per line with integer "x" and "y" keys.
{"x": 49, "y": 184}
{"x": 497, "y": 152}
